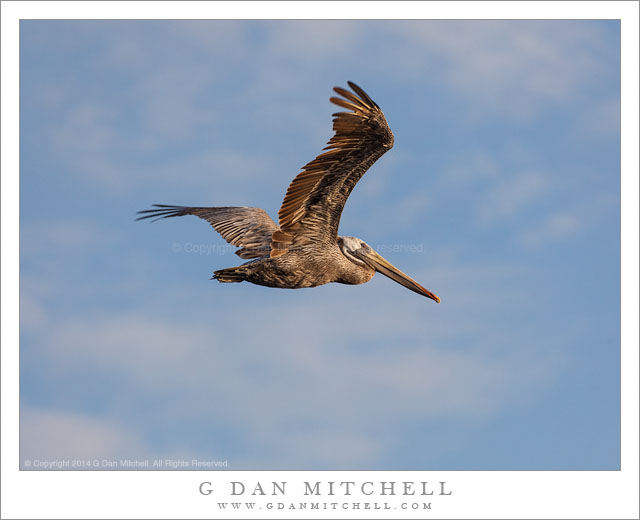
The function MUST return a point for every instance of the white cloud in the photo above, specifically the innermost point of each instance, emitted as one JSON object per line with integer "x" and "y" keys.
{"x": 313, "y": 39}
{"x": 215, "y": 177}
{"x": 169, "y": 99}
{"x": 511, "y": 67}
{"x": 171, "y": 106}
{"x": 509, "y": 196}
{"x": 332, "y": 448}
{"x": 308, "y": 370}
{"x": 43, "y": 236}
{"x": 49, "y": 434}
{"x": 33, "y": 313}
{"x": 276, "y": 382}
{"x": 600, "y": 119}
{"x": 557, "y": 226}
{"x": 84, "y": 139}
{"x": 471, "y": 166}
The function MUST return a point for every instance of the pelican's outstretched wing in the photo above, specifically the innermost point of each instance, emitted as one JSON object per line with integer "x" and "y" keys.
{"x": 313, "y": 204}
{"x": 247, "y": 228}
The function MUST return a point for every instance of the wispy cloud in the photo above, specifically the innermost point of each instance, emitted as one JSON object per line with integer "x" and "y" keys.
{"x": 508, "y": 68}
{"x": 52, "y": 435}
{"x": 558, "y": 226}
{"x": 509, "y": 196}
{"x": 86, "y": 133}
{"x": 512, "y": 68}
{"x": 600, "y": 120}
{"x": 471, "y": 167}
{"x": 56, "y": 235}
{"x": 138, "y": 350}
{"x": 370, "y": 387}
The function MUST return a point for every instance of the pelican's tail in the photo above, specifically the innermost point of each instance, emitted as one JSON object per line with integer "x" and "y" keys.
{"x": 230, "y": 274}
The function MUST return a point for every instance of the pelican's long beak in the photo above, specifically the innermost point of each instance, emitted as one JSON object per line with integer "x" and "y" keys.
{"x": 384, "y": 267}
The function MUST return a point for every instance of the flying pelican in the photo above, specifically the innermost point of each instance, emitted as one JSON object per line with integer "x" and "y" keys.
{"x": 304, "y": 250}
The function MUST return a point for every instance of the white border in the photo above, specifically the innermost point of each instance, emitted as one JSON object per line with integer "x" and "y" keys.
{"x": 539, "y": 494}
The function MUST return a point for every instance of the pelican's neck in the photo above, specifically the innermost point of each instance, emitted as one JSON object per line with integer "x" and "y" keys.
{"x": 352, "y": 273}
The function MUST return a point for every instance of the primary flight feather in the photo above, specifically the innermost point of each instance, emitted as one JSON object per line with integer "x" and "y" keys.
{"x": 304, "y": 249}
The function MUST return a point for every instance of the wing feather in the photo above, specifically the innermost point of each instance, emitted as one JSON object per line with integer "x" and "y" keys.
{"x": 314, "y": 201}
{"x": 248, "y": 228}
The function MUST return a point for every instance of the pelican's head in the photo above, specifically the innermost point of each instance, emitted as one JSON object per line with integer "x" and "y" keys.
{"x": 362, "y": 254}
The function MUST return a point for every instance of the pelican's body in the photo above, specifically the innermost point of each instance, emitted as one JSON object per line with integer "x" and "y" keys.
{"x": 304, "y": 249}
{"x": 308, "y": 267}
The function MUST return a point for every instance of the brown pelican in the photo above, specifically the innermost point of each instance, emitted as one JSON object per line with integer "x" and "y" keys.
{"x": 304, "y": 250}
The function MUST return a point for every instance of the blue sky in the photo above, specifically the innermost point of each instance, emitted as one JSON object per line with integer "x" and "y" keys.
{"x": 501, "y": 195}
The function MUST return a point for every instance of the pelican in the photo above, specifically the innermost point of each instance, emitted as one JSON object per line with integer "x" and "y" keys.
{"x": 304, "y": 249}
